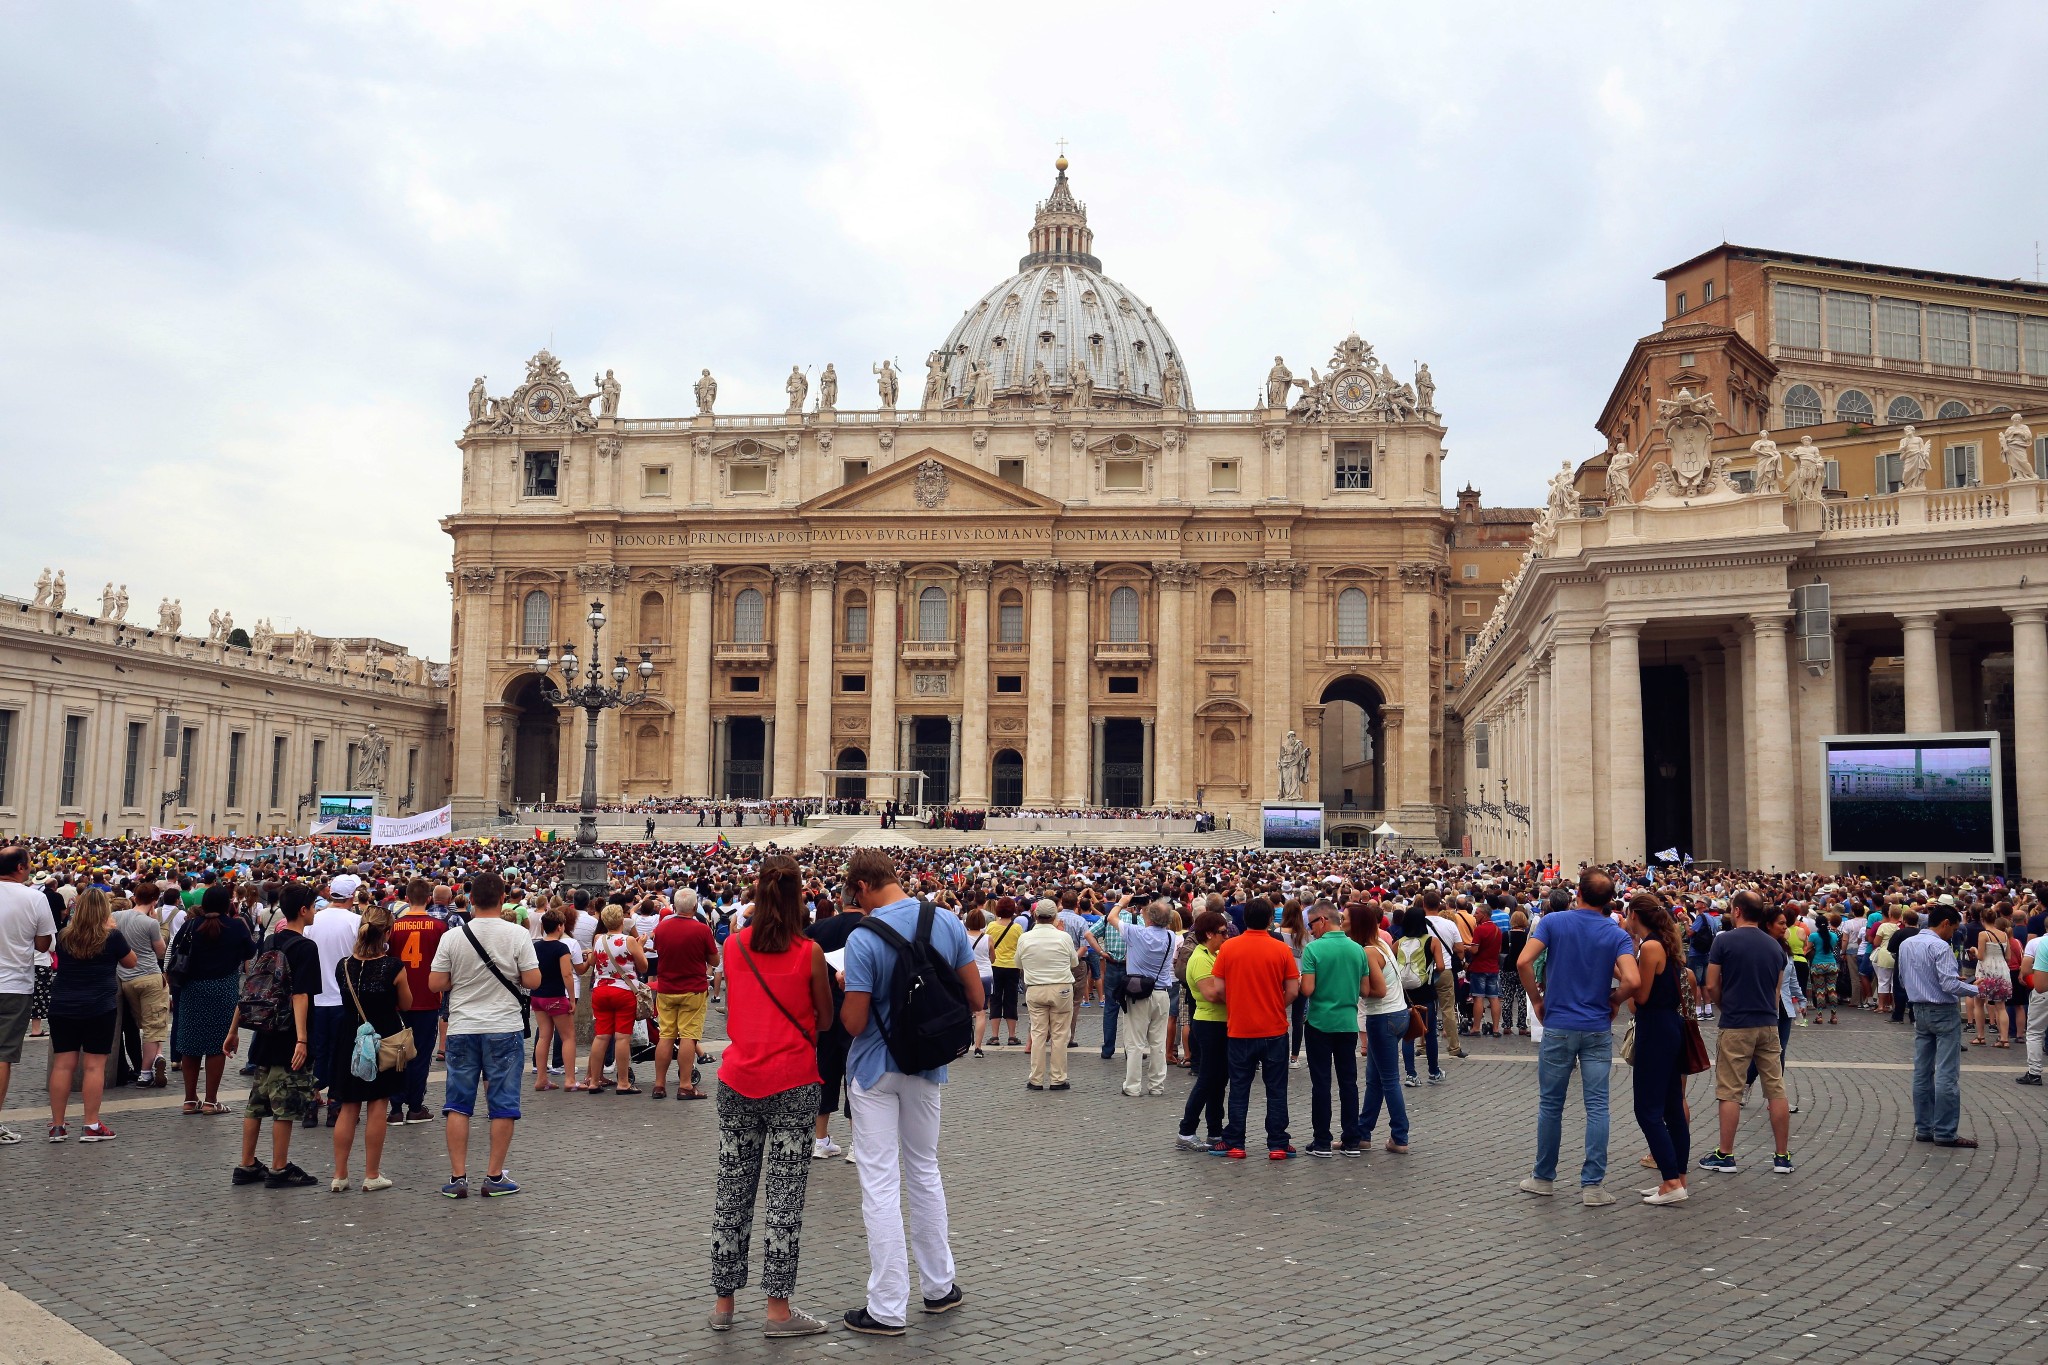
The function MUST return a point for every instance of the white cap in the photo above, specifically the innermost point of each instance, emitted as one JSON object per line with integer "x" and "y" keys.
{"x": 344, "y": 886}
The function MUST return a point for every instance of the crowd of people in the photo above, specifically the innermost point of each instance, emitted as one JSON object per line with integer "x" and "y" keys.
{"x": 352, "y": 970}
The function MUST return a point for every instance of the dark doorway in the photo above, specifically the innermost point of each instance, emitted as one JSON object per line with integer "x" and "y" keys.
{"x": 931, "y": 753}
{"x": 1123, "y": 762}
{"x": 851, "y": 788}
{"x": 1008, "y": 775}
{"x": 1352, "y": 767}
{"x": 536, "y": 747}
{"x": 1667, "y": 760}
{"x": 746, "y": 749}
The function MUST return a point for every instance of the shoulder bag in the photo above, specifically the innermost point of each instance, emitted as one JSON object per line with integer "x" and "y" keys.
{"x": 525, "y": 1005}
{"x": 395, "y": 1051}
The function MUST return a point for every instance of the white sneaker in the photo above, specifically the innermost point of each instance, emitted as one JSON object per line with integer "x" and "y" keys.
{"x": 8, "y": 1137}
{"x": 849, "y": 1157}
{"x": 824, "y": 1149}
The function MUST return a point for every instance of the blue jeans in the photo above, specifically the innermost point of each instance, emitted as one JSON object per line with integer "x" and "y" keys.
{"x": 497, "y": 1059}
{"x": 1249, "y": 1055}
{"x": 326, "y": 1018}
{"x": 1112, "y": 1000}
{"x": 1383, "y": 1077}
{"x": 424, "y": 1024}
{"x": 1338, "y": 1051}
{"x": 1592, "y": 1051}
{"x": 1937, "y": 1069}
{"x": 1429, "y": 1039}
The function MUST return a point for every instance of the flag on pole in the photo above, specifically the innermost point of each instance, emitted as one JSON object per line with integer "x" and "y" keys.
{"x": 1668, "y": 855}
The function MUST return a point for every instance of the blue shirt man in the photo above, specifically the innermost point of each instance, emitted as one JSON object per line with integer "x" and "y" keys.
{"x": 1586, "y": 951}
{"x": 1928, "y": 978}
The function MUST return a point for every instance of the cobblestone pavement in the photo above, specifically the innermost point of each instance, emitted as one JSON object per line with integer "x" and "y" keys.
{"x": 1082, "y": 1235}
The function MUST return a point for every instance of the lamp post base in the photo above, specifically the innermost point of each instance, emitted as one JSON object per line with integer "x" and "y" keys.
{"x": 586, "y": 867}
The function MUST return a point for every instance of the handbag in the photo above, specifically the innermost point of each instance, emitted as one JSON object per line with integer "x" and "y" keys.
{"x": 1697, "y": 1058}
{"x": 644, "y": 1007}
{"x": 393, "y": 1053}
{"x": 1628, "y": 1044}
{"x": 1418, "y": 1024}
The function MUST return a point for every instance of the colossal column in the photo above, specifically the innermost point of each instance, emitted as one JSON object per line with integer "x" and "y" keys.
{"x": 882, "y": 680}
{"x": 1775, "y": 835}
{"x": 477, "y": 785}
{"x": 2030, "y": 733}
{"x": 818, "y": 698}
{"x": 1278, "y": 579}
{"x": 1074, "y": 735}
{"x": 1923, "y": 675}
{"x": 789, "y": 580}
{"x": 1418, "y": 591}
{"x": 1038, "y": 737}
{"x": 970, "y": 740}
{"x": 695, "y": 722}
{"x": 1624, "y": 742}
{"x": 1573, "y": 715}
{"x": 1170, "y": 735}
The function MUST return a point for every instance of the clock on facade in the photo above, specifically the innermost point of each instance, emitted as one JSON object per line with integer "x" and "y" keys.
{"x": 1352, "y": 390}
{"x": 543, "y": 403}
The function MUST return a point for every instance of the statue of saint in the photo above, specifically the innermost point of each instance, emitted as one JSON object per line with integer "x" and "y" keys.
{"x": 57, "y": 591}
{"x": 1809, "y": 471}
{"x": 935, "y": 380}
{"x": 121, "y": 603}
{"x": 1770, "y": 463}
{"x": 1081, "y": 385}
{"x": 260, "y": 638}
{"x": 1563, "y": 500}
{"x": 707, "y": 393}
{"x": 478, "y": 400}
{"x": 797, "y": 386}
{"x": 2016, "y": 445}
{"x": 164, "y": 620}
{"x": 828, "y": 389}
{"x": 43, "y": 587}
{"x": 1425, "y": 390}
{"x": 107, "y": 601}
{"x": 1279, "y": 382}
{"x": 607, "y": 395}
{"x": 1169, "y": 384}
{"x": 1915, "y": 455}
{"x": 984, "y": 384}
{"x": 1620, "y": 467}
{"x": 1040, "y": 385}
{"x": 1294, "y": 756}
{"x": 371, "y": 760}
{"x": 885, "y": 383}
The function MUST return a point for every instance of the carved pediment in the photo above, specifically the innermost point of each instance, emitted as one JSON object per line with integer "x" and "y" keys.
{"x": 930, "y": 483}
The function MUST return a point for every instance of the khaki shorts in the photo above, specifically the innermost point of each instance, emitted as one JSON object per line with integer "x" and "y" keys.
{"x": 1734, "y": 1052}
{"x": 149, "y": 1004}
{"x": 681, "y": 1014}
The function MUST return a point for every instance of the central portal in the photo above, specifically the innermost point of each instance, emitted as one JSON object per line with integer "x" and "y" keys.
{"x": 746, "y": 749}
{"x": 931, "y": 753}
{"x": 1123, "y": 762}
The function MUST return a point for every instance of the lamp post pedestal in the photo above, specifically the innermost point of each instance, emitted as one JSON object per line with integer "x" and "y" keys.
{"x": 587, "y": 866}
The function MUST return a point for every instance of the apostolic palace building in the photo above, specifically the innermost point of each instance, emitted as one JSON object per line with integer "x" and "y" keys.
{"x": 1040, "y": 574}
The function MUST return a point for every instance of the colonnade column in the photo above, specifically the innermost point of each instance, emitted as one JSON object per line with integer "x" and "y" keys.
{"x": 1074, "y": 733}
{"x": 1543, "y": 816}
{"x": 789, "y": 580}
{"x": 1574, "y": 675}
{"x": 818, "y": 698}
{"x": 1170, "y": 737}
{"x": 1038, "y": 737}
{"x": 1923, "y": 673}
{"x": 1625, "y": 742}
{"x": 1418, "y": 586}
{"x": 1774, "y": 837}
{"x": 882, "y": 642}
{"x": 1713, "y": 836}
{"x": 2030, "y": 733}
{"x": 970, "y": 740}
{"x": 478, "y": 785}
{"x": 1276, "y": 666}
{"x": 697, "y": 580}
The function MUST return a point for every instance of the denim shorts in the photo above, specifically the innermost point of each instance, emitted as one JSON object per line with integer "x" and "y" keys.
{"x": 1484, "y": 985}
{"x": 499, "y": 1059}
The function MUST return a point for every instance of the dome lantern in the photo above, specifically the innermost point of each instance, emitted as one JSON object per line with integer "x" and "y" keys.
{"x": 1059, "y": 230}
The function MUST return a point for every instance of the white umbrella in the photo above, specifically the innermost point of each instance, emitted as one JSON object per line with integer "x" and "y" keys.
{"x": 1385, "y": 829}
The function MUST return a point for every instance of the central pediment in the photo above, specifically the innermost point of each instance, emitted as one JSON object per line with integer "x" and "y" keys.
{"x": 927, "y": 484}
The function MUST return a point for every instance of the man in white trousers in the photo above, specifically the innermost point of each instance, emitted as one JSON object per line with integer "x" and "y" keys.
{"x": 894, "y": 1112}
{"x": 1148, "y": 956}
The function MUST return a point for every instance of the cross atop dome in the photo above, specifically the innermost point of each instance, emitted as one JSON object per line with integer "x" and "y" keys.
{"x": 1060, "y": 234}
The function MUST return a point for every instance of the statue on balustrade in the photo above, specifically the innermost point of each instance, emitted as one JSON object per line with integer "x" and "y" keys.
{"x": 2016, "y": 445}
{"x": 1915, "y": 457}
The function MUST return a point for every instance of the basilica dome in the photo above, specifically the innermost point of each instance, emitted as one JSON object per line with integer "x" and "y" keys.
{"x": 1057, "y": 311}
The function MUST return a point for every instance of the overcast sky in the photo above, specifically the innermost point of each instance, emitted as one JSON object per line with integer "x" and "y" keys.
{"x": 256, "y": 253}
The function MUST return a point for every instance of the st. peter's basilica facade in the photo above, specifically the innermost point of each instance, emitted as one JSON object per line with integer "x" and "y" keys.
{"x": 1040, "y": 576}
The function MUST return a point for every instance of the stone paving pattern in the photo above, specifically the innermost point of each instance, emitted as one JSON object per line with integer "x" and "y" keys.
{"x": 1082, "y": 1235}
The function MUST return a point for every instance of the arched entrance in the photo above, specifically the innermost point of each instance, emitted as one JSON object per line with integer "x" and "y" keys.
{"x": 746, "y": 756}
{"x": 1352, "y": 765}
{"x": 1007, "y": 788}
{"x": 851, "y": 788}
{"x": 536, "y": 744}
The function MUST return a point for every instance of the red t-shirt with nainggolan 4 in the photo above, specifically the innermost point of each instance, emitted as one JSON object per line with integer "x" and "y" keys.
{"x": 1255, "y": 968}
{"x": 414, "y": 937}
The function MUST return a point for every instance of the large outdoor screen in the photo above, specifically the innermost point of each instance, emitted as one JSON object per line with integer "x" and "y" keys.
{"x": 345, "y": 813}
{"x": 1293, "y": 826}
{"x": 1913, "y": 798}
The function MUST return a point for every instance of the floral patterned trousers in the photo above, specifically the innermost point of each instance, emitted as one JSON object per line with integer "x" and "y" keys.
{"x": 774, "y": 1133}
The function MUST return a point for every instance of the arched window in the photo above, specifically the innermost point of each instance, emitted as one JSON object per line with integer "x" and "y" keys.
{"x": 653, "y": 619}
{"x": 1854, "y": 406}
{"x": 1010, "y": 617}
{"x": 1803, "y": 406}
{"x": 1223, "y": 616}
{"x": 1952, "y": 409}
{"x": 856, "y": 618}
{"x": 1223, "y": 756}
{"x": 1123, "y": 615}
{"x": 647, "y": 752}
{"x": 536, "y": 619}
{"x": 931, "y": 613}
{"x": 749, "y": 617}
{"x": 1904, "y": 409}
{"x": 1354, "y": 619}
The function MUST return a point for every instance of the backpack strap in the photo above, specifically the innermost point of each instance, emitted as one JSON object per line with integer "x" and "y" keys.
{"x": 525, "y": 1008}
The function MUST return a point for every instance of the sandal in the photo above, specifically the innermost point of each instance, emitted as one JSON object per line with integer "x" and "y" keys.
{"x": 659, "y": 1092}
{"x": 539, "y": 1086}
{"x": 628, "y": 1090}
{"x": 691, "y": 1095}
{"x": 191, "y": 1106}
{"x": 577, "y": 1086}
{"x": 212, "y": 1107}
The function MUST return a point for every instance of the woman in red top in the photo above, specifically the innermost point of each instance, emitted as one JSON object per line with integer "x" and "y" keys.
{"x": 777, "y": 991}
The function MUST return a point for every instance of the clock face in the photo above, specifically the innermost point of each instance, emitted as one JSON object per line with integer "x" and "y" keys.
{"x": 1352, "y": 391}
{"x": 543, "y": 403}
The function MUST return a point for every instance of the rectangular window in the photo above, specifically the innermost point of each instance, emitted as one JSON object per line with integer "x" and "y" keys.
{"x": 1687, "y": 359}
{"x": 1889, "y": 474}
{"x": 131, "y": 763}
{"x": 319, "y": 754}
{"x": 74, "y": 743}
{"x": 2037, "y": 346}
{"x": 1123, "y": 475}
{"x": 1849, "y": 324}
{"x": 654, "y": 481}
{"x": 1898, "y": 329}
{"x": 1009, "y": 682}
{"x": 1471, "y": 571}
{"x": 276, "y": 771}
{"x": 6, "y": 752}
{"x": 188, "y": 740}
{"x": 1223, "y": 476}
{"x": 1010, "y": 471}
{"x": 1798, "y": 316}
{"x": 1831, "y": 475}
{"x": 1707, "y": 292}
{"x": 1959, "y": 467}
{"x": 852, "y": 471}
{"x": 857, "y": 625}
{"x": 1354, "y": 466}
{"x": 543, "y": 473}
{"x": 853, "y": 682}
{"x": 1471, "y": 643}
{"x": 1948, "y": 335}
{"x": 1681, "y": 303}
{"x": 746, "y": 682}
{"x": 1998, "y": 342}
{"x": 1010, "y": 623}
{"x": 747, "y": 478}
{"x": 1125, "y": 686}
{"x": 1744, "y": 480}
{"x": 235, "y": 739}
{"x": 1471, "y": 609}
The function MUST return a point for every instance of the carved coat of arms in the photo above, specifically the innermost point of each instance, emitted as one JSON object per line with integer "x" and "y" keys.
{"x": 930, "y": 484}
{"x": 1688, "y": 423}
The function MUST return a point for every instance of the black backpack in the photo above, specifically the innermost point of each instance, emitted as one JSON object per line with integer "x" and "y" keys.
{"x": 928, "y": 1024}
{"x": 1703, "y": 936}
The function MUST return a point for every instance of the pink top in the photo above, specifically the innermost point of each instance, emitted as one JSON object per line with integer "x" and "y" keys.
{"x": 768, "y": 1054}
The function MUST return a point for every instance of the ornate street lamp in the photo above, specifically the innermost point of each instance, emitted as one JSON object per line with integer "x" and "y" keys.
{"x": 586, "y": 866}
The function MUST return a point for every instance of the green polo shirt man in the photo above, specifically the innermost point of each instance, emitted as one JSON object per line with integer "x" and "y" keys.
{"x": 1332, "y": 968}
